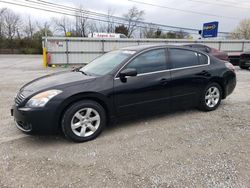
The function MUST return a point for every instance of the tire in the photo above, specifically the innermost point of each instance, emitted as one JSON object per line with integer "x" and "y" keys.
{"x": 83, "y": 121}
{"x": 207, "y": 95}
{"x": 244, "y": 67}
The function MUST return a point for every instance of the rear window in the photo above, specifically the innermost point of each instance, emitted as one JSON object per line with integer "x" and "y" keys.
{"x": 186, "y": 58}
{"x": 201, "y": 48}
{"x": 203, "y": 59}
{"x": 183, "y": 58}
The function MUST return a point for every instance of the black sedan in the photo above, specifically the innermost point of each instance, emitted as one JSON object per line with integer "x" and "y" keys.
{"x": 244, "y": 60}
{"x": 124, "y": 82}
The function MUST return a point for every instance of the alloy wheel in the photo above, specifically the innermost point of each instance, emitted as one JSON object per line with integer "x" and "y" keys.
{"x": 85, "y": 122}
{"x": 212, "y": 97}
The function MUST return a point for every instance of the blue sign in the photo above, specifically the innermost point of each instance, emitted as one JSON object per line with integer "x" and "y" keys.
{"x": 210, "y": 29}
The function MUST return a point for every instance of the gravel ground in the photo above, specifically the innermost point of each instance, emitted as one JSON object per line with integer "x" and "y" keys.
{"x": 180, "y": 149}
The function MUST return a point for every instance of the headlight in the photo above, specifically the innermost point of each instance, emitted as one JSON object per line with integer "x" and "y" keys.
{"x": 41, "y": 99}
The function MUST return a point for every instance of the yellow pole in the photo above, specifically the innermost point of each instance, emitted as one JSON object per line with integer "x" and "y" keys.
{"x": 44, "y": 58}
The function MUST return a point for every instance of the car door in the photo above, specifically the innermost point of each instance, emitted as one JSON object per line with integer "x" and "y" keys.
{"x": 190, "y": 73}
{"x": 149, "y": 89}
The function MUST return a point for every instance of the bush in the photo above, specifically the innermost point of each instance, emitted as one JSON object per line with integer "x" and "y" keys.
{"x": 24, "y": 46}
{"x": 29, "y": 51}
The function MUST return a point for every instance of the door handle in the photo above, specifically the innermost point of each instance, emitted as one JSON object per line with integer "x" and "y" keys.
{"x": 163, "y": 81}
{"x": 204, "y": 73}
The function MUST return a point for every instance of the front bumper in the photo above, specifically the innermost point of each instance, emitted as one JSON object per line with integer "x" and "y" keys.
{"x": 34, "y": 120}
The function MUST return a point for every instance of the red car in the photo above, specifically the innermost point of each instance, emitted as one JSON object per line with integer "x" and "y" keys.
{"x": 212, "y": 51}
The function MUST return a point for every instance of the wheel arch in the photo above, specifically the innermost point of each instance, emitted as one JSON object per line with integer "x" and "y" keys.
{"x": 219, "y": 81}
{"x": 97, "y": 97}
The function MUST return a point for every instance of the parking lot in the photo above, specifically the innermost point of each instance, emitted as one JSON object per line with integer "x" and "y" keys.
{"x": 179, "y": 149}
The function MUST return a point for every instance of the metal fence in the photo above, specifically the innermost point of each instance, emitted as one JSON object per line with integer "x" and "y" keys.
{"x": 71, "y": 50}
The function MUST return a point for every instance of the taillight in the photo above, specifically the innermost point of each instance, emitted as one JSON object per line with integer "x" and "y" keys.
{"x": 230, "y": 66}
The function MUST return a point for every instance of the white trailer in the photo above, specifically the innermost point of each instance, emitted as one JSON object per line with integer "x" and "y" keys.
{"x": 106, "y": 35}
{"x": 73, "y": 50}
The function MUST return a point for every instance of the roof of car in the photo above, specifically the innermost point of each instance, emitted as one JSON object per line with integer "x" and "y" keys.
{"x": 195, "y": 44}
{"x": 144, "y": 47}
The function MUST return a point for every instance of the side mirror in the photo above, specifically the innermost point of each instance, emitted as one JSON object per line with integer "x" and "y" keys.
{"x": 128, "y": 72}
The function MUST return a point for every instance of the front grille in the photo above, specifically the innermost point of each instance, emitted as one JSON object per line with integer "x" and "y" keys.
{"x": 19, "y": 98}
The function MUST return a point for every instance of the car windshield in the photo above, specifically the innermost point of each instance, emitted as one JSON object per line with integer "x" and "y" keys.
{"x": 107, "y": 62}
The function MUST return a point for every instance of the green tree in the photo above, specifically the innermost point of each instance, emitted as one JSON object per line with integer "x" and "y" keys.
{"x": 158, "y": 33}
{"x": 121, "y": 29}
{"x": 41, "y": 33}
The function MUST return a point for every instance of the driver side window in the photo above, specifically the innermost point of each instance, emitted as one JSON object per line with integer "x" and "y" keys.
{"x": 154, "y": 60}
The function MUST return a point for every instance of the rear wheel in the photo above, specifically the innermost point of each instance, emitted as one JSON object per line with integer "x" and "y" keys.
{"x": 211, "y": 97}
{"x": 83, "y": 121}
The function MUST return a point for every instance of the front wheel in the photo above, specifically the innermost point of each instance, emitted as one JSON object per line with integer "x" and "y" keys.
{"x": 211, "y": 97}
{"x": 83, "y": 121}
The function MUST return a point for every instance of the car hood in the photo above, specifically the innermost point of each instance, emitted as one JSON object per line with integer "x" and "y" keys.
{"x": 54, "y": 81}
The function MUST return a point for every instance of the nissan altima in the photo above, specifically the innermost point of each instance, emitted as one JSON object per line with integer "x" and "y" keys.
{"x": 125, "y": 82}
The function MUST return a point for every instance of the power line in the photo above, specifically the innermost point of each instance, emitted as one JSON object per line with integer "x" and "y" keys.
{"x": 58, "y": 10}
{"x": 120, "y": 18}
{"x": 91, "y": 18}
{"x": 115, "y": 17}
{"x": 72, "y": 8}
{"x": 237, "y": 1}
{"x": 53, "y": 11}
{"x": 153, "y": 25}
{"x": 182, "y": 10}
{"x": 219, "y": 4}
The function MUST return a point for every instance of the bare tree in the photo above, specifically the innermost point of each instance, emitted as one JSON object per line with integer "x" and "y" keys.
{"x": 63, "y": 24}
{"x": 18, "y": 31}
{"x": 44, "y": 29}
{"x": 182, "y": 34}
{"x": 133, "y": 16}
{"x": 11, "y": 23}
{"x": 102, "y": 27}
{"x": 2, "y": 11}
{"x": 149, "y": 31}
{"x": 97, "y": 27}
{"x": 93, "y": 27}
{"x": 29, "y": 28}
{"x": 81, "y": 22}
{"x": 242, "y": 31}
{"x": 110, "y": 25}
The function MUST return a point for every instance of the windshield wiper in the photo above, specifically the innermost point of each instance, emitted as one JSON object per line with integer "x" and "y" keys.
{"x": 83, "y": 73}
{"x": 79, "y": 70}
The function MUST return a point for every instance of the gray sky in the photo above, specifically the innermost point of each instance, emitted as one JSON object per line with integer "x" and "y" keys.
{"x": 230, "y": 11}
